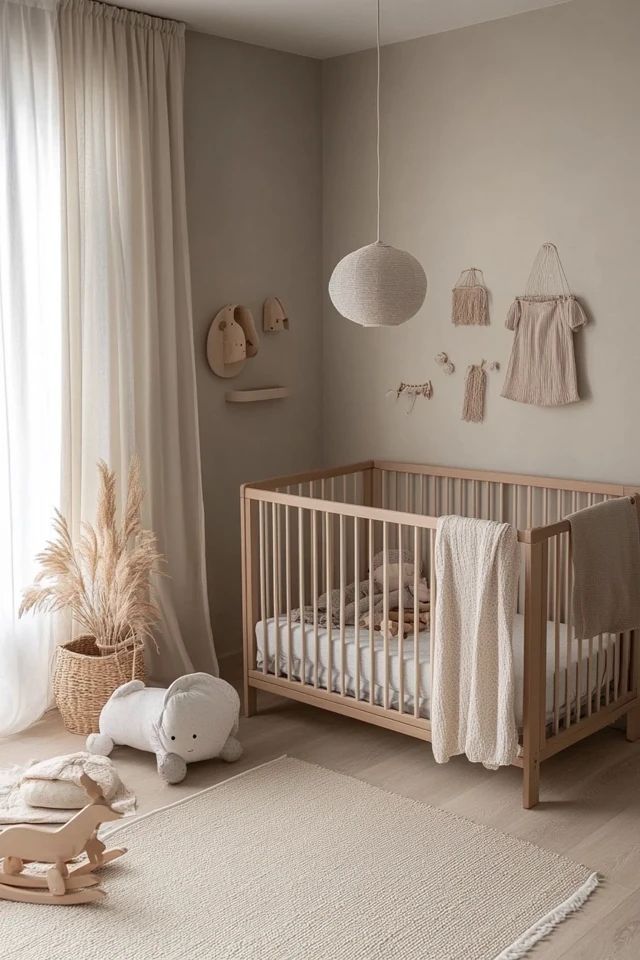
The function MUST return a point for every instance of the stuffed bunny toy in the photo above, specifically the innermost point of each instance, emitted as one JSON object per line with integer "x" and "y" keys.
{"x": 196, "y": 718}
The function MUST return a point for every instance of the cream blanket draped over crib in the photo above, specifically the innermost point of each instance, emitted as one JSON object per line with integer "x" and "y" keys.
{"x": 472, "y": 696}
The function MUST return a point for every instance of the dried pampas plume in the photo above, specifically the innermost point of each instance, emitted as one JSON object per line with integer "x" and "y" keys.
{"x": 104, "y": 579}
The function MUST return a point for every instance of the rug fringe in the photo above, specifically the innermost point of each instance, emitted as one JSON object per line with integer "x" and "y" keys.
{"x": 547, "y": 924}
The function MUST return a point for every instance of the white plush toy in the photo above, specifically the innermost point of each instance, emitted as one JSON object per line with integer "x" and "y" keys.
{"x": 195, "y": 719}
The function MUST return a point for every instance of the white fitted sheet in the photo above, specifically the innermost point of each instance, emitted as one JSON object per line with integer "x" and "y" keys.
{"x": 424, "y": 667}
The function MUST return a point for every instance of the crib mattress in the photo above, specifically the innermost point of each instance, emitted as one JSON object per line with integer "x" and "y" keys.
{"x": 266, "y": 637}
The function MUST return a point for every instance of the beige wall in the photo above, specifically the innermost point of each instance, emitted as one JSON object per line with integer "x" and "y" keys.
{"x": 495, "y": 139}
{"x": 253, "y": 169}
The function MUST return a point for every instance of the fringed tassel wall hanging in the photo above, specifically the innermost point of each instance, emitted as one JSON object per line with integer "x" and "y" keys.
{"x": 470, "y": 300}
{"x": 475, "y": 387}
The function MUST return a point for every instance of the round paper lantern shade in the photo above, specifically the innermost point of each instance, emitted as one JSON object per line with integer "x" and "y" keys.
{"x": 378, "y": 286}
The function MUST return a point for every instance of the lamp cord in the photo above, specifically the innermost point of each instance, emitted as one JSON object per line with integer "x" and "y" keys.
{"x": 378, "y": 120}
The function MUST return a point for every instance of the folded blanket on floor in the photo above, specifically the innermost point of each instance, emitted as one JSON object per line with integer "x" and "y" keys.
{"x": 606, "y": 568}
{"x": 472, "y": 695}
{"x": 358, "y": 605}
{"x": 49, "y": 791}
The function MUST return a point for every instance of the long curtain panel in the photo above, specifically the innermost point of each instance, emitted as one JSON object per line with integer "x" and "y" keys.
{"x": 129, "y": 379}
{"x": 96, "y": 340}
{"x": 30, "y": 344}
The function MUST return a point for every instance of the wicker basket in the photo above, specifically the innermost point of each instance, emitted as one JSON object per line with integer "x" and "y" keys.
{"x": 84, "y": 679}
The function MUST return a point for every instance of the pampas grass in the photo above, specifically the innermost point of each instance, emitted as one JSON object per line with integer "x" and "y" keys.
{"x": 105, "y": 578}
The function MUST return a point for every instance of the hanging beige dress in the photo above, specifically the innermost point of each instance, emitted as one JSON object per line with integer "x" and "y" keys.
{"x": 542, "y": 367}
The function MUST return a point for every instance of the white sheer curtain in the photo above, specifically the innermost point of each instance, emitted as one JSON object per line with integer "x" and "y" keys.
{"x": 30, "y": 344}
{"x": 96, "y": 123}
{"x": 130, "y": 377}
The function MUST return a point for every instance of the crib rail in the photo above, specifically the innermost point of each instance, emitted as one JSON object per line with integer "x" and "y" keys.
{"x": 314, "y": 535}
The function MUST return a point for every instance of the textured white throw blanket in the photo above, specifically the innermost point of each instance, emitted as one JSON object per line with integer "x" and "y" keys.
{"x": 472, "y": 697}
{"x": 49, "y": 791}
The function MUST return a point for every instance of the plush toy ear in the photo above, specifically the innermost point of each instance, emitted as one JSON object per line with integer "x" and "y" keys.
{"x": 188, "y": 683}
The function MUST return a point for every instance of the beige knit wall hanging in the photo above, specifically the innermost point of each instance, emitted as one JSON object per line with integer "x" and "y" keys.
{"x": 542, "y": 368}
{"x": 475, "y": 388}
{"x": 470, "y": 300}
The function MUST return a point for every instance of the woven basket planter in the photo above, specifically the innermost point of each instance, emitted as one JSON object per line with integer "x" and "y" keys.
{"x": 85, "y": 678}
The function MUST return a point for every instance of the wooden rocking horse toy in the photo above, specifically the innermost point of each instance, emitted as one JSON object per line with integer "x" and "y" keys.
{"x": 21, "y": 845}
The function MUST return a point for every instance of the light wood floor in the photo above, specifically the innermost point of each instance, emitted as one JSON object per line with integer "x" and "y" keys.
{"x": 590, "y": 810}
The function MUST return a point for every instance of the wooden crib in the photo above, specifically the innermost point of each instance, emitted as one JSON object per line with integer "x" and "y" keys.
{"x": 305, "y": 535}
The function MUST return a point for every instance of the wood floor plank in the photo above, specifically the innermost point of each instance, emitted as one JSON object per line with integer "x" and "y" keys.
{"x": 616, "y": 936}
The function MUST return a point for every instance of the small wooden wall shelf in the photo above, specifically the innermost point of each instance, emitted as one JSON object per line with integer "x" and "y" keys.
{"x": 253, "y": 396}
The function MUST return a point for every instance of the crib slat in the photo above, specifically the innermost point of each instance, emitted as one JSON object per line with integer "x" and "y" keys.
{"x": 314, "y": 591}
{"x": 433, "y": 589}
{"x": 590, "y": 678}
{"x": 323, "y": 536}
{"x": 356, "y": 580}
{"x": 600, "y": 663}
{"x": 616, "y": 666}
{"x": 329, "y": 576}
{"x": 301, "y": 598}
{"x": 372, "y": 656}
{"x": 608, "y": 669}
{"x": 400, "y": 623}
{"x": 343, "y": 584}
{"x": 626, "y": 646}
{"x": 568, "y": 617}
{"x": 416, "y": 623}
{"x": 579, "y": 681}
{"x": 556, "y": 637}
{"x": 385, "y": 611}
{"x": 263, "y": 602}
{"x": 287, "y": 565}
{"x": 276, "y": 582}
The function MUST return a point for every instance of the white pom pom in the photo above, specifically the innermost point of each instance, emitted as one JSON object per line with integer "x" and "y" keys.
{"x": 100, "y": 743}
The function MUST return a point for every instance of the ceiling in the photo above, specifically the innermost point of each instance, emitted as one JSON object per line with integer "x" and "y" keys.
{"x": 328, "y": 28}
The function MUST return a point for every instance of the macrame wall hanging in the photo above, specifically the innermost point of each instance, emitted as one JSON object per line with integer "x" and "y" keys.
{"x": 475, "y": 387}
{"x": 542, "y": 367}
{"x": 412, "y": 391}
{"x": 447, "y": 365}
{"x": 470, "y": 300}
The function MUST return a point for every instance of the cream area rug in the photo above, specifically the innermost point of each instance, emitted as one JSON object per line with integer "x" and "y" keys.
{"x": 290, "y": 861}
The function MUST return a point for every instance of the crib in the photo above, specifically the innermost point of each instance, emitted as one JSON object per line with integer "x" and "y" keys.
{"x": 317, "y": 533}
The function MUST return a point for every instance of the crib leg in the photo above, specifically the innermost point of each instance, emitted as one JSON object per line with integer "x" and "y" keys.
{"x": 530, "y": 782}
{"x": 250, "y": 704}
{"x": 633, "y": 725}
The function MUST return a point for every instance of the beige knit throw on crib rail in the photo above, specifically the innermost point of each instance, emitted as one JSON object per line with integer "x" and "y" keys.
{"x": 606, "y": 566}
{"x": 472, "y": 693}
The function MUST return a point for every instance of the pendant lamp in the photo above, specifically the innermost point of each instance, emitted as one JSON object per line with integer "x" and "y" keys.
{"x": 378, "y": 285}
